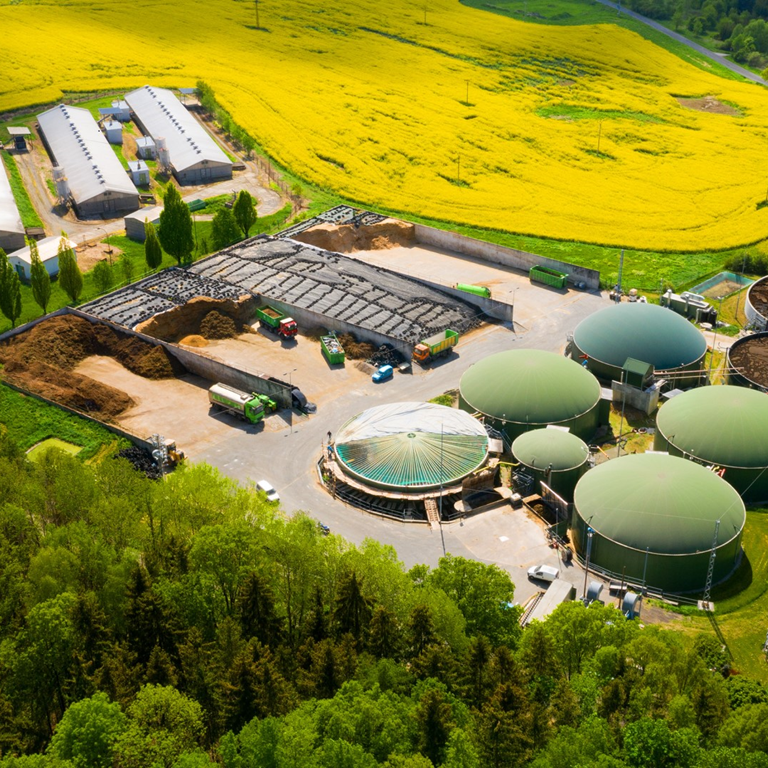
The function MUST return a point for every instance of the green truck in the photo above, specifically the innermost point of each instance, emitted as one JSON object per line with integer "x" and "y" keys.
{"x": 249, "y": 408}
{"x": 439, "y": 345}
{"x": 552, "y": 277}
{"x": 332, "y": 349}
{"x": 276, "y": 321}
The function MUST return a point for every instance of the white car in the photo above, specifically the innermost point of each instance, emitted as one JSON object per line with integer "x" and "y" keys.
{"x": 543, "y": 572}
{"x": 269, "y": 490}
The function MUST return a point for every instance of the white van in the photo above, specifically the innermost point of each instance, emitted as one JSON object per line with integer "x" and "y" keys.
{"x": 543, "y": 572}
{"x": 269, "y": 490}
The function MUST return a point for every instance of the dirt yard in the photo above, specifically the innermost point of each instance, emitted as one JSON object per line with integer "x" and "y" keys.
{"x": 176, "y": 408}
{"x": 91, "y": 254}
{"x": 709, "y": 104}
{"x": 300, "y": 362}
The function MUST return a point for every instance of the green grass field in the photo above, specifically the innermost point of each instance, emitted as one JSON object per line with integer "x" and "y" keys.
{"x": 29, "y": 217}
{"x": 29, "y": 421}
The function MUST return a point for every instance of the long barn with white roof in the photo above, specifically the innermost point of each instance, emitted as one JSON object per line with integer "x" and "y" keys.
{"x": 11, "y": 228}
{"x": 194, "y": 155}
{"x": 97, "y": 182}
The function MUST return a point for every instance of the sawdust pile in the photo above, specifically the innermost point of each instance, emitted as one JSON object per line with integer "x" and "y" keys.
{"x": 346, "y": 238}
{"x": 187, "y": 320}
{"x": 193, "y": 340}
{"x": 354, "y": 349}
{"x": 42, "y": 360}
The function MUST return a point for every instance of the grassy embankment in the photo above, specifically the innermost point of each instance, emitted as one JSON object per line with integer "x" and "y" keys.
{"x": 27, "y": 421}
{"x": 29, "y": 217}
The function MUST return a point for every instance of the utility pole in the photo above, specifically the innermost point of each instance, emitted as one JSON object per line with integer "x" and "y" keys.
{"x": 623, "y": 404}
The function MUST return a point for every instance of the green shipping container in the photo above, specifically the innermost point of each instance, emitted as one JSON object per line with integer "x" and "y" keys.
{"x": 477, "y": 290}
{"x": 332, "y": 349}
{"x": 547, "y": 276}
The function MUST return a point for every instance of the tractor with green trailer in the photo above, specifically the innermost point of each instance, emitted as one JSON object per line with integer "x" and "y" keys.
{"x": 249, "y": 408}
{"x": 439, "y": 345}
{"x": 332, "y": 349}
{"x": 278, "y": 322}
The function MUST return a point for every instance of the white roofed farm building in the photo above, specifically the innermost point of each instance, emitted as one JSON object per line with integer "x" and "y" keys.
{"x": 11, "y": 227}
{"x": 195, "y": 157}
{"x": 95, "y": 179}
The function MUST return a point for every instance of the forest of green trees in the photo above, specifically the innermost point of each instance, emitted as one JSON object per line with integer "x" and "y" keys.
{"x": 187, "y": 623}
{"x": 738, "y": 25}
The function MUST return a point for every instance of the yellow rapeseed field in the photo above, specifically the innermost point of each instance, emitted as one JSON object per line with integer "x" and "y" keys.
{"x": 367, "y": 100}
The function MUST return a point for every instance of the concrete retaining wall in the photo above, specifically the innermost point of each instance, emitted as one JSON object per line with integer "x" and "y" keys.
{"x": 208, "y": 368}
{"x": 306, "y": 318}
{"x": 499, "y": 254}
{"x": 135, "y": 439}
{"x": 490, "y": 307}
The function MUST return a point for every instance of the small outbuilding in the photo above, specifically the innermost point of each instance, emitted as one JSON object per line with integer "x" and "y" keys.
{"x": 121, "y": 110}
{"x": 145, "y": 148}
{"x": 47, "y": 249}
{"x": 134, "y": 222}
{"x": 139, "y": 172}
{"x": 113, "y": 130}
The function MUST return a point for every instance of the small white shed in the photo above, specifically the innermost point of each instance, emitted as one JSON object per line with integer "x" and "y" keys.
{"x": 48, "y": 249}
{"x": 139, "y": 172}
{"x": 145, "y": 148}
{"x": 113, "y": 131}
{"x": 121, "y": 110}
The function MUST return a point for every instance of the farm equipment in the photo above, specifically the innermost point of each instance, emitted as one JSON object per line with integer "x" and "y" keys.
{"x": 439, "y": 345}
{"x": 250, "y": 408}
{"x": 332, "y": 349}
{"x": 477, "y": 290}
{"x": 274, "y": 320}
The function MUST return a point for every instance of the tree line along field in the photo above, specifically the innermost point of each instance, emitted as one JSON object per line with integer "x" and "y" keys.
{"x": 470, "y": 118}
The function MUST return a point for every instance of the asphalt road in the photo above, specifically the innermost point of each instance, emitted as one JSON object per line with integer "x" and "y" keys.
{"x": 287, "y": 458}
{"x": 720, "y": 59}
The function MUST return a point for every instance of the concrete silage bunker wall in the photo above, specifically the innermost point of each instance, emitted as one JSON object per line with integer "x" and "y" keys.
{"x": 208, "y": 368}
{"x": 499, "y": 254}
{"x": 306, "y": 318}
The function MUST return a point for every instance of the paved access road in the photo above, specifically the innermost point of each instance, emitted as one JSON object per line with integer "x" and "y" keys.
{"x": 287, "y": 458}
{"x": 719, "y": 58}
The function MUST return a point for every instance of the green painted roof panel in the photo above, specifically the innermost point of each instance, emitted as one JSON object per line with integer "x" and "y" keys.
{"x": 542, "y": 448}
{"x": 530, "y": 386}
{"x": 723, "y": 425}
{"x": 665, "y": 503}
{"x": 645, "y": 332}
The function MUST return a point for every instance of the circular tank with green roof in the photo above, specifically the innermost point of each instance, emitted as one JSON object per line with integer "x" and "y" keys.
{"x": 645, "y": 332}
{"x": 411, "y": 447}
{"x": 656, "y": 516}
{"x": 552, "y": 456}
{"x": 524, "y": 389}
{"x": 726, "y": 426}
